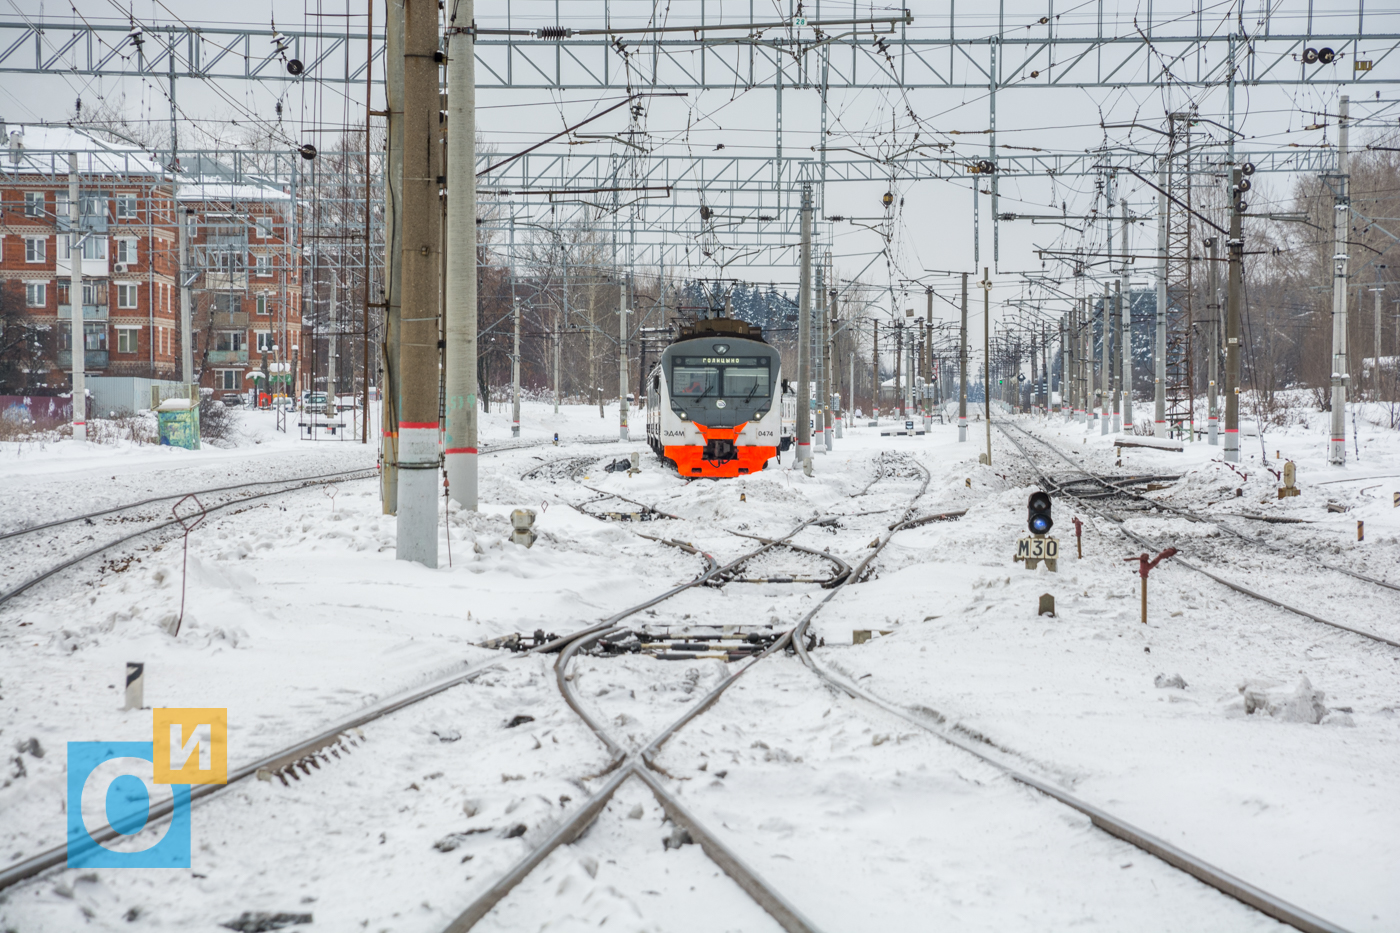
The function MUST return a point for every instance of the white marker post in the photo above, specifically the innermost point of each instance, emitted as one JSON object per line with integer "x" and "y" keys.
{"x": 135, "y": 684}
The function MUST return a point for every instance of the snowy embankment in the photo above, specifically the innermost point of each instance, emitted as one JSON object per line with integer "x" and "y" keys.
{"x": 1270, "y": 746}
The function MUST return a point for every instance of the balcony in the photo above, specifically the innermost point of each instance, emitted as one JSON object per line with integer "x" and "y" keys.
{"x": 92, "y": 359}
{"x": 90, "y": 312}
{"x": 220, "y": 357}
{"x": 232, "y": 319}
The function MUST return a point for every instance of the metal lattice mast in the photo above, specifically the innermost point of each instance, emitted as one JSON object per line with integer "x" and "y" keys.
{"x": 1180, "y": 397}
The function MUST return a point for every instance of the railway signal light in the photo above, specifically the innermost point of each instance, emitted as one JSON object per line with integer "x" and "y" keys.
{"x": 1038, "y": 518}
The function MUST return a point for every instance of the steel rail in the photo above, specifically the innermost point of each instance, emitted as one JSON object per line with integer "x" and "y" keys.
{"x": 1223, "y": 581}
{"x": 624, "y": 764}
{"x": 1178, "y": 858}
{"x": 373, "y": 471}
{"x": 58, "y": 855}
{"x": 33, "y": 581}
{"x": 179, "y": 495}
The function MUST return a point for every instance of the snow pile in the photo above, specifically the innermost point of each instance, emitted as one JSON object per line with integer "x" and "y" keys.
{"x": 1304, "y": 704}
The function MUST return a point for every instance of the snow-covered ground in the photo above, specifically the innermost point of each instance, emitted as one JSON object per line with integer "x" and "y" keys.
{"x": 298, "y": 616}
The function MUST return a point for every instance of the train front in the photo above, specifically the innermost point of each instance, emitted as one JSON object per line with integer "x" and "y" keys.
{"x": 719, "y": 414}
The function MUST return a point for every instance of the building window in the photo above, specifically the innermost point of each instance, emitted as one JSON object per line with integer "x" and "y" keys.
{"x": 262, "y": 304}
{"x": 126, "y": 251}
{"x": 227, "y": 379}
{"x": 94, "y": 335}
{"x": 95, "y": 247}
{"x": 36, "y": 249}
{"x": 95, "y": 293}
{"x": 228, "y": 302}
{"x": 265, "y": 342}
{"x": 126, "y": 207}
{"x": 34, "y": 204}
{"x": 228, "y": 340}
{"x": 126, "y": 339}
{"x": 36, "y": 294}
{"x": 62, "y": 207}
{"x": 126, "y": 294}
{"x": 263, "y": 265}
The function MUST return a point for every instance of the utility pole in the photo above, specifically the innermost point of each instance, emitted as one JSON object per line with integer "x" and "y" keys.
{"x": 875, "y": 353}
{"x": 1106, "y": 382}
{"x": 422, "y": 251}
{"x": 1376, "y": 343}
{"x": 804, "y": 336}
{"x": 558, "y": 338}
{"x": 78, "y": 355}
{"x": 819, "y": 416}
{"x": 1126, "y": 326}
{"x": 1159, "y": 347}
{"x": 391, "y": 392}
{"x": 987, "y": 354}
{"x": 1234, "y": 285}
{"x": 899, "y": 364}
{"x": 621, "y": 357}
{"x": 1337, "y": 449}
{"x": 962, "y": 367}
{"x": 842, "y": 411}
{"x": 1117, "y": 358}
{"x": 515, "y": 373}
{"x": 928, "y": 355}
{"x": 828, "y": 383}
{"x": 1213, "y": 312}
{"x": 1066, "y": 408}
{"x": 460, "y": 432}
{"x": 1090, "y": 394}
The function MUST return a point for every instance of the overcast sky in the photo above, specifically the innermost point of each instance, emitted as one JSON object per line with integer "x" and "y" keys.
{"x": 934, "y": 227}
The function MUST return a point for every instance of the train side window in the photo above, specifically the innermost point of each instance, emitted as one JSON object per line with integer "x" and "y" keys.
{"x": 656, "y": 383}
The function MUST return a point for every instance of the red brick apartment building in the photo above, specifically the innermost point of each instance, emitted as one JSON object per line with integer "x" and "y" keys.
{"x": 245, "y": 294}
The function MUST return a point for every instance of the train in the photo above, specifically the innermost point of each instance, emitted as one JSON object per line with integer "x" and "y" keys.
{"x": 717, "y": 403}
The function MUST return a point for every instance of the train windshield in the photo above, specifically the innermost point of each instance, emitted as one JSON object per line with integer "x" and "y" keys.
{"x": 694, "y": 380}
{"x": 746, "y": 381}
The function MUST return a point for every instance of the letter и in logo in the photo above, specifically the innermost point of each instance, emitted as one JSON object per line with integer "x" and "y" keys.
{"x": 191, "y": 746}
{"x": 112, "y": 796}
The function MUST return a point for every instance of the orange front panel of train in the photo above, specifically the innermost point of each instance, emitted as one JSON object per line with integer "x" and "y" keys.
{"x": 690, "y": 458}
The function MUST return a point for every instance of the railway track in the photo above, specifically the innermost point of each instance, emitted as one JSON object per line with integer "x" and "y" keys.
{"x": 1119, "y": 493}
{"x": 317, "y": 748}
{"x": 638, "y": 760}
{"x": 151, "y": 521}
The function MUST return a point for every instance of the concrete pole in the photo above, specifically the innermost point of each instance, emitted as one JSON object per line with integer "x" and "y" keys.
{"x": 1066, "y": 407}
{"x": 899, "y": 365}
{"x": 1213, "y": 312}
{"x": 460, "y": 431}
{"x": 1091, "y": 397}
{"x": 1232, "y": 331}
{"x": 987, "y": 354}
{"x": 621, "y": 358}
{"x": 1106, "y": 381}
{"x": 819, "y": 360}
{"x": 804, "y": 335}
{"x": 851, "y": 386}
{"x": 1159, "y": 344}
{"x": 1376, "y": 347}
{"x": 962, "y": 367}
{"x": 558, "y": 339}
{"x": 828, "y": 383}
{"x": 422, "y": 252}
{"x": 875, "y": 363}
{"x": 928, "y": 355}
{"x": 1116, "y": 318}
{"x": 78, "y": 355}
{"x": 391, "y": 394}
{"x": 1125, "y": 303}
{"x": 515, "y": 372}
{"x": 1337, "y": 448}
{"x": 831, "y": 353}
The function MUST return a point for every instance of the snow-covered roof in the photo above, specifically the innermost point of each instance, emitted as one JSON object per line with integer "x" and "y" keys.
{"x": 31, "y": 149}
{"x": 206, "y": 179}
